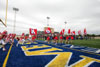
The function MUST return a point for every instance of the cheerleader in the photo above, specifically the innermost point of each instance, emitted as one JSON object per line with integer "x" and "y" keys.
{"x": 67, "y": 37}
{"x": 72, "y": 38}
{"x": 3, "y": 40}
{"x": 55, "y": 39}
{"x": 61, "y": 39}
{"x": 21, "y": 39}
{"x": 48, "y": 39}
{"x": 33, "y": 38}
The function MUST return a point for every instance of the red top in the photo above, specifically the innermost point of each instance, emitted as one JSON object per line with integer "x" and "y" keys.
{"x": 26, "y": 37}
{"x": 56, "y": 38}
{"x": 33, "y": 38}
{"x": 13, "y": 36}
{"x": 67, "y": 37}
{"x": 4, "y": 36}
{"x": 21, "y": 38}
{"x": 61, "y": 37}
{"x": 48, "y": 38}
{"x": 72, "y": 37}
{"x": 4, "y": 32}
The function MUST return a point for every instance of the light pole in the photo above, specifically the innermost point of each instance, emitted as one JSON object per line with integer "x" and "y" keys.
{"x": 15, "y": 9}
{"x": 65, "y": 24}
{"x": 48, "y": 21}
{"x": 6, "y": 12}
{"x": 65, "y": 27}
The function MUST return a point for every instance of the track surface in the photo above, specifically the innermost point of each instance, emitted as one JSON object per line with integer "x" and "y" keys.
{"x": 41, "y": 54}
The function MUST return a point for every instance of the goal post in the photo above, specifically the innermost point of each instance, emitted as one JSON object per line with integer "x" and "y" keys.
{"x": 5, "y": 23}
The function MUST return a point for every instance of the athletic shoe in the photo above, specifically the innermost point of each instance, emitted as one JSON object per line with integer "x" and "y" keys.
{"x": 4, "y": 49}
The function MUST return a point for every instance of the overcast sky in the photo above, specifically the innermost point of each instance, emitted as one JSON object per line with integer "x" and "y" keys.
{"x": 78, "y": 14}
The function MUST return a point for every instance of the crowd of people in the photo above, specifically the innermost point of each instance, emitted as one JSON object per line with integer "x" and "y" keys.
{"x": 24, "y": 38}
{"x": 57, "y": 38}
{"x": 6, "y": 38}
{"x": 61, "y": 39}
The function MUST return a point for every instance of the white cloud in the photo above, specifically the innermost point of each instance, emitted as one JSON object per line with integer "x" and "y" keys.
{"x": 79, "y": 14}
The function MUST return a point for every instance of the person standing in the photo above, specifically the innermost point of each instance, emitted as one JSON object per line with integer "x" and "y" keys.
{"x": 72, "y": 38}
{"x": 3, "y": 36}
{"x": 55, "y": 39}
{"x": 48, "y": 39}
{"x": 67, "y": 37}
{"x": 61, "y": 39}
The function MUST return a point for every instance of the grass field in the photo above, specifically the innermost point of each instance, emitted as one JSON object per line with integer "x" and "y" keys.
{"x": 95, "y": 43}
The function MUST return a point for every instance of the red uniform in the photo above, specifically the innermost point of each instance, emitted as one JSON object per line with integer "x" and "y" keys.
{"x": 48, "y": 38}
{"x": 67, "y": 37}
{"x": 33, "y": 38}
{"x": 13, "y": 35}
{"x": 72, "y": 38}
{"x": 26, "y": 37}
{"x": 21, "y": 38}
{"x": 61, "y": 37}
{"x": 56, "y": 38}
{"x": 4, "y": 32}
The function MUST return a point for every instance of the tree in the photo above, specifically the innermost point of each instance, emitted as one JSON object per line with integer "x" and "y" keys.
{"x": 88, "y": 36}
{"x": 93, "y": 35}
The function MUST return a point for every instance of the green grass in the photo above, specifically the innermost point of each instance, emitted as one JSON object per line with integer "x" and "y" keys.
{"x": 95, "y": 43}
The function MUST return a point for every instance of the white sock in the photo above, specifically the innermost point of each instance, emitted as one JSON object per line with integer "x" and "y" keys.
{"x": 4, "y": 49}
{"x": 17, "y": 44}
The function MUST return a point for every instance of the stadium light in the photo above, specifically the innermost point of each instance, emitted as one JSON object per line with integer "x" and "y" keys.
{"x": 15, "y": 9}
{"x": 48, "y": 21}
{"x": 65, "y": 24}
